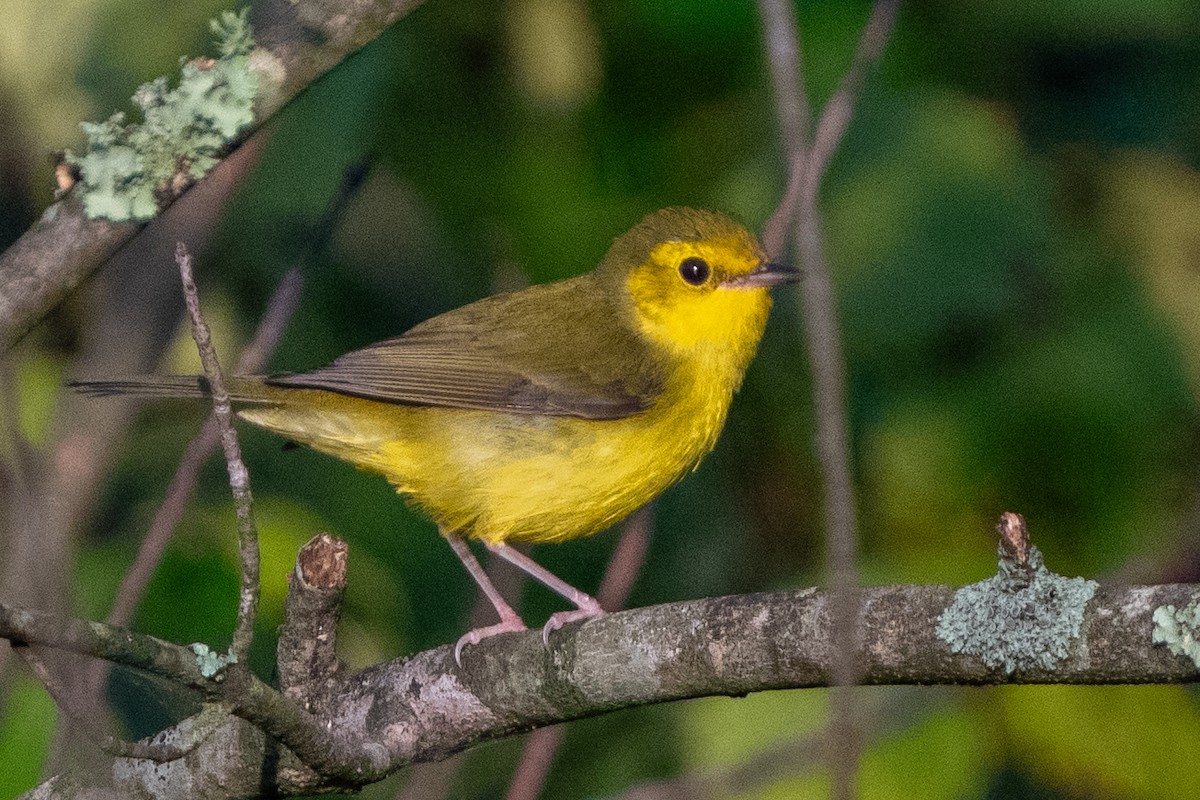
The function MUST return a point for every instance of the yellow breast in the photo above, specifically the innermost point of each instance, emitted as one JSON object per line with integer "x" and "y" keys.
{"x": 501, "y": 477}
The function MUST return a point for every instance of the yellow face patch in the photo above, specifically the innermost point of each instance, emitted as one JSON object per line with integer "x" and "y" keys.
{"x": 682, "y": 302}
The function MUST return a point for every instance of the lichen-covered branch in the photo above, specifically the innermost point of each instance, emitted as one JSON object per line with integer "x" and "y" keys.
{"x": 63, "y": 247}
{"x": 246, "y": 699}
{"x": 158, "y": 657}
{"x": 425, "y": 708}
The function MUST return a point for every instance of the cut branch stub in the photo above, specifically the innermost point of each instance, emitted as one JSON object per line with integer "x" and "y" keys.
{"x": 307, "y": 654}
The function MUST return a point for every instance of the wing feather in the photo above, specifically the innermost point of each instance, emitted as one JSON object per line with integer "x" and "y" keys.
{"x": 558, "y": 350}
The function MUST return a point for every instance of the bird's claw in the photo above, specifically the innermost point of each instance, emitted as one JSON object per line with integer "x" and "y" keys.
{"x": 477, "y": 635}
{"x": 556, "y": 621}
{"x": 561, "y": 618}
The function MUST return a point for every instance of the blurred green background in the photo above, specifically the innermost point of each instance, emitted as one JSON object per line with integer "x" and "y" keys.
{"x": 1014, "y": 225}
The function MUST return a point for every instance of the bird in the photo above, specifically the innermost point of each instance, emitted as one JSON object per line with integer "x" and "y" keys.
{"x": 543, "y": 414}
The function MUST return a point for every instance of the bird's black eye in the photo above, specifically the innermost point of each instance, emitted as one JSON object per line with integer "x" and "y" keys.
{"x": 694, "y": 270}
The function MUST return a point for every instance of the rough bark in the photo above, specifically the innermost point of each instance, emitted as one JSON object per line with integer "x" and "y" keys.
{"x": 424, "y": 708}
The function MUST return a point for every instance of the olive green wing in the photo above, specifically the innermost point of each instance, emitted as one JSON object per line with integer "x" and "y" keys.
{"x": 555, "y": 350}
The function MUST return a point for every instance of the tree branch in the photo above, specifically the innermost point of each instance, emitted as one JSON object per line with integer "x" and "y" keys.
{"x": 424, "y": 708}
{"x": 148, "y": 653}
{"x": 63, "y": 247}
{"x": 183, "y": 483}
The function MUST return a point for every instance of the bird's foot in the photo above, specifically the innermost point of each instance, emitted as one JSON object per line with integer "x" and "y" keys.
{"x": 477, "y": 635}
{"x": 587, "y": 609}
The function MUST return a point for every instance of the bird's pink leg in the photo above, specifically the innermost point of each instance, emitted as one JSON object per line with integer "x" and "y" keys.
{"x": 510, "y": 621}
{"x": 586, "y": 606}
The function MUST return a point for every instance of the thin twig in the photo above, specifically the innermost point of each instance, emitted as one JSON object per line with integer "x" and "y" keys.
{"x": 537, "y": 757}
{"x": 824, "y": 344}
{"x": 627, "y": 559}
{"x": 835, "y": 117}
{"x": 183, "y": 484}
{"x": 239, "y": 478}
{"x": 159, "y": 752}
{"x": 782, "y": 42}
{"x": 823, "y": 340}
{"x": 179, "y": 491}
{"x": 253, "y": 358}
{"x": 543, "y": 745}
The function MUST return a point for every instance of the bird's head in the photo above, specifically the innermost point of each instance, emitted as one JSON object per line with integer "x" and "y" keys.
{"x": 694, "y": 280}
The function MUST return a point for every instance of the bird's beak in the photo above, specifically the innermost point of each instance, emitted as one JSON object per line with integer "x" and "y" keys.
{"x": 764, "y": 276}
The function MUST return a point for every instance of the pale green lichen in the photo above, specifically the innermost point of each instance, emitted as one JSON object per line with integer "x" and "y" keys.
{"x": 210, "y": 662}
{"x": 1179, "y": 630}
{"x": 1023, "y": 617}
{"x": 129, "y": 167}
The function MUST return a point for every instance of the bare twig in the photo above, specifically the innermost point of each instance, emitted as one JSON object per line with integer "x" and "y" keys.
{"x": 823, "y": 339}
{"x": 150, "y": 553}
{"x": 183, "y": 484}
{"x": 159, "y": 752}
{"x": 253, "y": 359}
{"x": 806, "y": 168}
{"x": 537, "y": 757}
{"x": 782, "y": 41}
{"x": 626, "y": 562}
{"x": 239, "y": 478}
{"x": 835, "y": 117}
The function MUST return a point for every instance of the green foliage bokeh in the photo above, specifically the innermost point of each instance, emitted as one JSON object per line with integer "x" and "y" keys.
{"x": 1012, "y": 221}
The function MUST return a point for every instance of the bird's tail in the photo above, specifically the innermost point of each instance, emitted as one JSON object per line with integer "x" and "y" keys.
{"x": 245, "y": 390}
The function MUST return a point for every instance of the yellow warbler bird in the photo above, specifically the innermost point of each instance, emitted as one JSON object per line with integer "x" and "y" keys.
{"x": 543, "y": 414}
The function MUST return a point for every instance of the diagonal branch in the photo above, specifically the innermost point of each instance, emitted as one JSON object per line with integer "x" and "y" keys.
{"x": 62, "y": 248}
{"x": 838, "y": 111}
{"x": 183, "y": 483}
{"x": 782, "y": 41}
